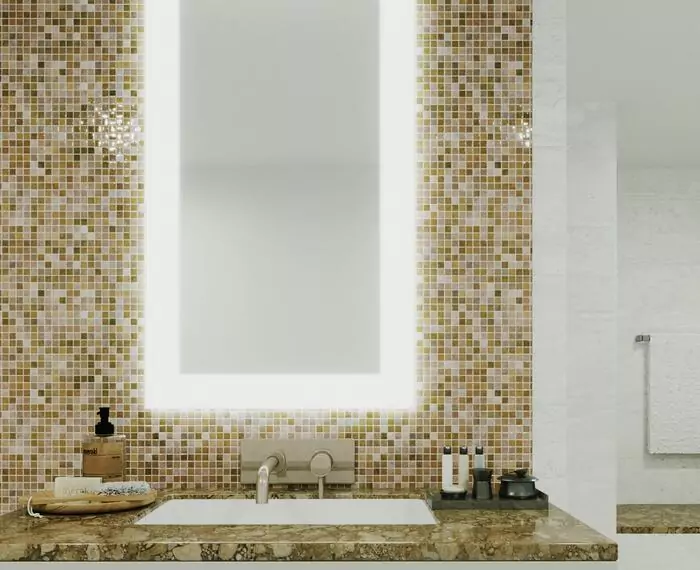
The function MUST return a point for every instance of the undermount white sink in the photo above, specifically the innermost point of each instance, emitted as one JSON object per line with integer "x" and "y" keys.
{"x": 291, "y": 512}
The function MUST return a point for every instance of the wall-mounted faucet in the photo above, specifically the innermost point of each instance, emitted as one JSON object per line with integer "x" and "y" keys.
{"x": 296, "y": 462}
{"x": 275, "y": 463}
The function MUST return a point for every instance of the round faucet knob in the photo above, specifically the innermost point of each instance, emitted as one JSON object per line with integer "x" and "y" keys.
{"x": 321, "y": 464}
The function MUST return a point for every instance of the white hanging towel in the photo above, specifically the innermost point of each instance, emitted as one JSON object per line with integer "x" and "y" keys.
{"x": 673, "y": 406}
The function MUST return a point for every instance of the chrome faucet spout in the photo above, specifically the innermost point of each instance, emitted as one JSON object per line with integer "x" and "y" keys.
{"x": 262, "y": 485}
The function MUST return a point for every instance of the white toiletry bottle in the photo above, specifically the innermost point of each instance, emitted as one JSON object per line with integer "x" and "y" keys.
{"x": 463, "y": 468}
{"x": 479, "y": 458}
{"x": 447, "y": 468}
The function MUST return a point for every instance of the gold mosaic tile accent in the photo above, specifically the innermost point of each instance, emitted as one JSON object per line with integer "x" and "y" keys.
{"x": 71, "y": 253}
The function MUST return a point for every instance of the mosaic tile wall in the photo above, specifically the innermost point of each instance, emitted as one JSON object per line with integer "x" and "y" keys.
{"x": 71, "y": 256}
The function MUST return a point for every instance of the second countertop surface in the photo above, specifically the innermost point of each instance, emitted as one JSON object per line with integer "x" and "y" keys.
{"x": 459, "y": 536}
{"x": 658, "y": 519}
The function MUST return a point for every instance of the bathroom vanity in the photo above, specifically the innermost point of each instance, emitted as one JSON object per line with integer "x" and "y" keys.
{"x": 468, "y": 536}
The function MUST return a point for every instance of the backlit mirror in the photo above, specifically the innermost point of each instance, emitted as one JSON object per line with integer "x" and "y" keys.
{"x": 280, "y": 203}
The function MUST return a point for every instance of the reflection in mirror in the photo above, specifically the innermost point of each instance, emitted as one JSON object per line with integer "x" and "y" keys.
{"x": 279, "y": 218}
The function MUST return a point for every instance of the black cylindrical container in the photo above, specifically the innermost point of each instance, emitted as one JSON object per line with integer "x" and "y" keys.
{"x": 518, "y": 485}
{"x": 482, "y": 483}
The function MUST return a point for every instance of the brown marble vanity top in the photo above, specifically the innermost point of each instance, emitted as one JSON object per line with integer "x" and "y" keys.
{"x": 658, "y": 519}
{"x": 458, "y": 536}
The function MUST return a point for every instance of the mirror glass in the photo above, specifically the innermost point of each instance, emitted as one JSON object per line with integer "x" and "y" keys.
{"x": 279, "y": 197}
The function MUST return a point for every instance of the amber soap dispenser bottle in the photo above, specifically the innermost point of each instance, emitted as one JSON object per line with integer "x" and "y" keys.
{"x": 104, "y": 453}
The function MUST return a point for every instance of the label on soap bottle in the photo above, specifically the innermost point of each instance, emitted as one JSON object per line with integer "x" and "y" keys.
{"x": 104, "y": 457}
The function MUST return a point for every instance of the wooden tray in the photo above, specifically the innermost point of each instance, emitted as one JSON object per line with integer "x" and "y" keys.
{"x": 437, "y": 503}
{"x": 45, "y": 502}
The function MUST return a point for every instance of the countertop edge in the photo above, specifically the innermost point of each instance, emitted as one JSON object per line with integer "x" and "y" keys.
{"x": 630, "y": 529}
{"x": 286, "y": 552}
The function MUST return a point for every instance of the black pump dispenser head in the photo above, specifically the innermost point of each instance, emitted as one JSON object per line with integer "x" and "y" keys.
{"x": 104, "y": 427}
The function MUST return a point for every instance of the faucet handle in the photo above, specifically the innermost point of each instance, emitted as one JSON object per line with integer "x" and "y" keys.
{"x": 321, "y": 464}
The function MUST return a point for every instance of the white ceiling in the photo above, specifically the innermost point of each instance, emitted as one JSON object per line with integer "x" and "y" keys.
{"x": 645, "y": 56}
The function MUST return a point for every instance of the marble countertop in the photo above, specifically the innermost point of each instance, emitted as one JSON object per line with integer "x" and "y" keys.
{"x": 458, "y": 536}
{"x": 658, "y": 519}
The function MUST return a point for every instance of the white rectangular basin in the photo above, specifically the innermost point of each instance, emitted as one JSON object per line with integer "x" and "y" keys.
{"x": 291, "y": 512}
